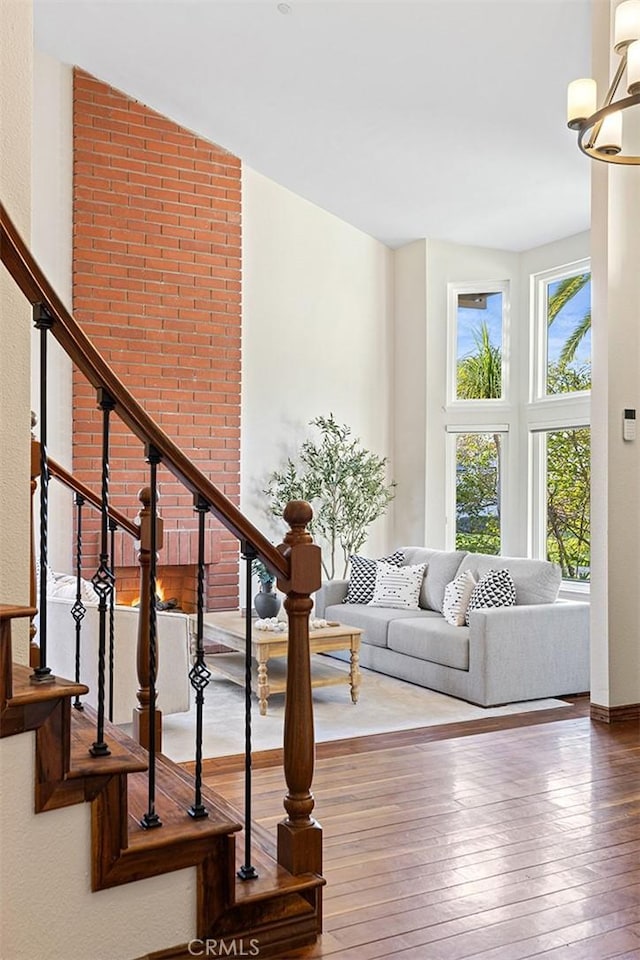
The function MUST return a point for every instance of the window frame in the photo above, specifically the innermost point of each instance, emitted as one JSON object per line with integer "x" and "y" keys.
{"x": 454, "y": 289}
{"x": 539, "y": 286}
{"x": 452, "y": 432}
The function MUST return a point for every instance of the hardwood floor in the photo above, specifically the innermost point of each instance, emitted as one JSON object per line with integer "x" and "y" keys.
{"x": 499, "y": 845}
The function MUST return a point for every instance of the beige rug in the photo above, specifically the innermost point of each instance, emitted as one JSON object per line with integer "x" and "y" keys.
{"x": 385, "y": 704}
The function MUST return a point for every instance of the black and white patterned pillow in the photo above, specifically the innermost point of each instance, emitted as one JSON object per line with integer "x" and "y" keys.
{"x": 496, "y": 589}
{"x": 363, "y": 576}
{"x": 397, "y": 587}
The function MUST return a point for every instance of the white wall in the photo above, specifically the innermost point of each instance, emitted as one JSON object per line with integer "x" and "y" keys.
{"x": 410, "y": 397}
{"x": 52, "y": 241}
{"x": 615, "y": 599}
{"x": 317, "y": 336}
{"x": 48, "y": 908}
{"x": 15, "y": 316}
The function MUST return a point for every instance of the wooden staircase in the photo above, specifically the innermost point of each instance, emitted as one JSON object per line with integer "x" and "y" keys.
{"x": 278, "y": 911}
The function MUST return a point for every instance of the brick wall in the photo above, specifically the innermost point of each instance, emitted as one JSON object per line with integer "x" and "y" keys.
{"x": 157, "y": 287}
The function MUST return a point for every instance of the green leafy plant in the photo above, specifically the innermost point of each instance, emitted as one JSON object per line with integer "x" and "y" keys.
{"x": 345, "y": 483}
{"x": 262, "y": 572}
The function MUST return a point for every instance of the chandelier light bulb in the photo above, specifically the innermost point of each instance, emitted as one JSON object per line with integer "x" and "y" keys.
{"x": 582, "y": 98}
{"x": 627, "y": 24}
{"x": 609, "y": 139}
{"x": 633, "y": 68}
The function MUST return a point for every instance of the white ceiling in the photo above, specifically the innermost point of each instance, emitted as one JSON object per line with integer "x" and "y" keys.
{"x": 432, "y": 118}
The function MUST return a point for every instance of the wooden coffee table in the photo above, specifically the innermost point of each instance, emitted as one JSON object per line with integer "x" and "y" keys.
{"x": 269, "y": 650}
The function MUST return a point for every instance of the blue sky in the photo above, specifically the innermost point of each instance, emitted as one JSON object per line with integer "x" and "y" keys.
{"x": 470, "y": 320}
{"x": 568, "y": 318}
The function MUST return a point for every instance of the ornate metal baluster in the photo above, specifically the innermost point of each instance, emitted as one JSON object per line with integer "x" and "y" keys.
{"x": 103, "y": 577}
{"x": 247, "y": 871}
{"x": 78, "y": 610}
{"x": 113, "y": 526}
{"x": 151, "y": 819}
{"x": 43, "y": 321}
{"x": 199, "y": 675}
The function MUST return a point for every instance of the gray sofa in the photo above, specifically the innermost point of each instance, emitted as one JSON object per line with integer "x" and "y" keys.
{"x": 536, "y": 649}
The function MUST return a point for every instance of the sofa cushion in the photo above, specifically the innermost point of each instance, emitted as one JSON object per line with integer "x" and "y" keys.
{"x": 442, "y": 566}
{"x": 397, "y": 587}
{"x": 536, "y": 581}
{"x": 363, "y": 576}
{"x": 434, "y": 640}
{"x": 373, "y": 620}
{"x": 496, "y": 589}
{"x": 456, "y": 598}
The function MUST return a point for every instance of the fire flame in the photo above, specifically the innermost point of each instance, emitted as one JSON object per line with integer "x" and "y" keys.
{"x": 160, "y": 594}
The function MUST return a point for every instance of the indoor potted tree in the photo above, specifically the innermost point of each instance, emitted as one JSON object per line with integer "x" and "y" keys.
{"x": 266, "y": 601}
{"x": 346, "y": 485}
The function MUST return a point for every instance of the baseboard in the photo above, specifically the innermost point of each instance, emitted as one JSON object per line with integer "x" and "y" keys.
{"x": 626, "y": 711}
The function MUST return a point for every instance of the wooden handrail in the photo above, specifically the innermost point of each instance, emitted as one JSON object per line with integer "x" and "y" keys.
{"x": 59, "y": 472}
{"x": 22, "y": 266}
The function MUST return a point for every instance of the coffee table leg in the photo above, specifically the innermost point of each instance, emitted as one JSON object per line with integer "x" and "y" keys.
{"x": 354, "y": 672}
{"x": 263, "y": 686}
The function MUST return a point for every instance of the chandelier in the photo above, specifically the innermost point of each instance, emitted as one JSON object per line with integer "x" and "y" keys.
{"x": 600, "y": 130}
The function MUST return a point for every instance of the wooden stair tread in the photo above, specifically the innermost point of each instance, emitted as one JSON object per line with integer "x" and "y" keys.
{"x": 127, "y": 756}
{"x": 272, "y": 880}
{"x": 174, "y": 797}
{"x": 25, "y": 692}
{"x": 12, "y": 611}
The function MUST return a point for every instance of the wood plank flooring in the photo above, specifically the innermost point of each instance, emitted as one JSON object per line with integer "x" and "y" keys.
{"x": 494, "y": 845}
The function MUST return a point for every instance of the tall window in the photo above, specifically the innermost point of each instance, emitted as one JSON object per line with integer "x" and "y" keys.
{"x": 563, "y": 340}
{"x": 478, "y": 474}
{"x": 558, "y": 419}
{"x": 479, "y": 346}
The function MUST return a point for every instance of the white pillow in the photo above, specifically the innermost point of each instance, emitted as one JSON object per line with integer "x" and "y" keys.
{"x": 456, "y": 598}
{"x": 397, "y": 586}
{"x": 63, "y": 586}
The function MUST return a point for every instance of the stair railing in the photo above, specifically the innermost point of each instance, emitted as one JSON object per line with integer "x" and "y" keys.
{"x": 296, "y": 562}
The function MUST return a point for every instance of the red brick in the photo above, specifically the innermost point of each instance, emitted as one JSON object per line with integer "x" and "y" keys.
{"x": 157, "y": 285}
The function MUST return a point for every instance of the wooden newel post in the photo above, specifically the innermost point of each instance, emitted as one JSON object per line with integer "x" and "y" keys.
{"x": 141, "y": 713}
{"x": 299, "y": 835}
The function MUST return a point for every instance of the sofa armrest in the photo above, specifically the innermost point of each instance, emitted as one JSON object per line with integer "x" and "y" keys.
{"x": 530, "y": 651}
{"x": 331, "y": 591}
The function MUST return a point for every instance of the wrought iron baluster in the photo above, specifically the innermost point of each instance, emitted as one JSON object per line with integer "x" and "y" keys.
{"x": 103, "y": 578}
{"x": 113, "y": 526}
{"x": 199, "y": 676}
{"x": 78, "y": 610}
{"x": 43, "y": 322}
{"x": 247, "y": 871}
{"x": 151, "y": 819}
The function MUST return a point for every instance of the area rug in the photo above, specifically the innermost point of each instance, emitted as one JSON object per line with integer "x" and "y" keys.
{"x": 385, "y": 704}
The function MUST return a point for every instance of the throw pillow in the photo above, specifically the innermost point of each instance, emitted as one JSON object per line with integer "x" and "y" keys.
{"x": 456, "y": 598}
{"x": 363, "y": 576}
{"x": 397, "y": 586}
{"x": 496, "y": 589}
{"x": 63, "y": 587}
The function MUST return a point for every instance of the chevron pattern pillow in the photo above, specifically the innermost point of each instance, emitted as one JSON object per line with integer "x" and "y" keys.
{"x": 496, "y": 589}
{"x": 363, "y": 576}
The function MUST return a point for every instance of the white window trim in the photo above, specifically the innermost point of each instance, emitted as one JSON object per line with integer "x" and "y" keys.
{"x": 450, "y": 466}
{"x": 539, "y": 284}
{"x": 453, "y": 291}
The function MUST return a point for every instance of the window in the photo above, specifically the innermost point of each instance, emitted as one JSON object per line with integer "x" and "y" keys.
{"x": 477, "y": 491}
{"x": 558, "y": 419}
{"x": 563, "y": 341}
{"x": 477, "y": 342}
{"x": 562, "y": 460}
